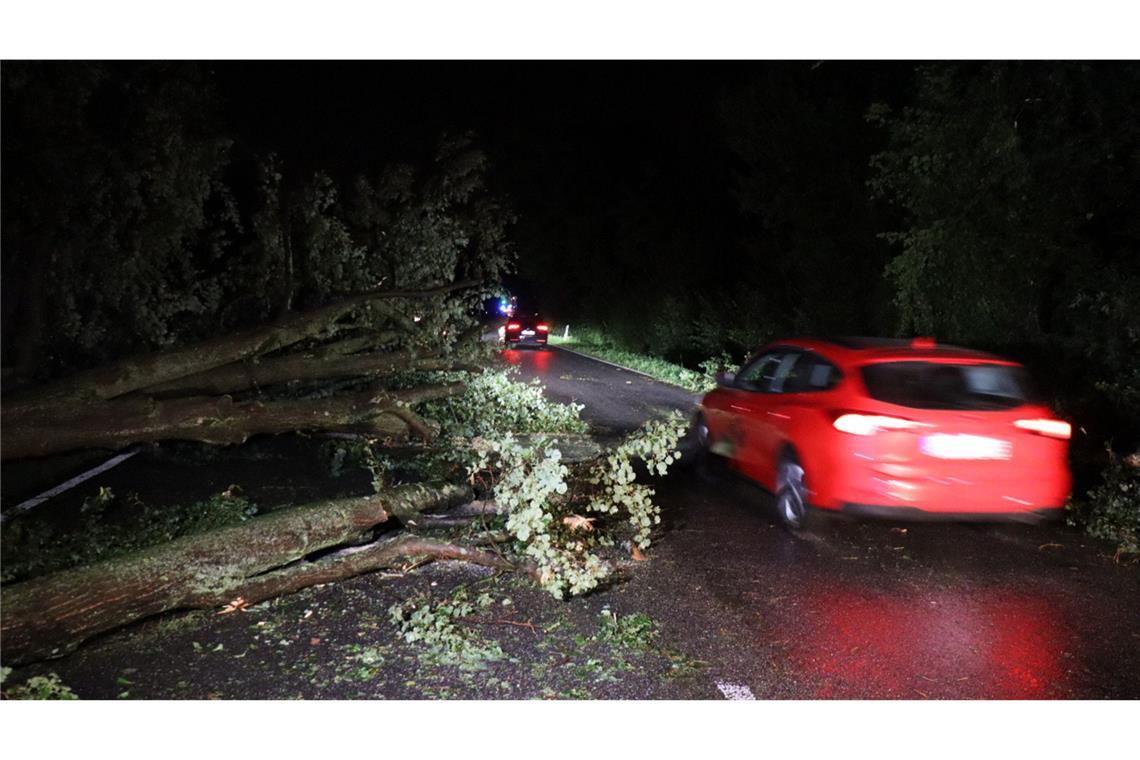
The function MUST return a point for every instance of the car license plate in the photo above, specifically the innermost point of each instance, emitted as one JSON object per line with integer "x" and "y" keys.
{"x": 528, "y": 332}
{"x": 963, "y": 446}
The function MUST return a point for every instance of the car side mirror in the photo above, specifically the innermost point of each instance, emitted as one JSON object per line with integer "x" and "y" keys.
{"x": 725, "y": 379}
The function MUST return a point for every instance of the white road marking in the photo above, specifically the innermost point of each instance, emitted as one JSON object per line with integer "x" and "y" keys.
{"x": 35, "y": 501}
{"x": 735, "y": 691}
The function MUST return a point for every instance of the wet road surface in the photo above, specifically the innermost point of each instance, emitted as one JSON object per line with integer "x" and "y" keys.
{"x": 862, "y": 609}
{"x": 617, "y": 400}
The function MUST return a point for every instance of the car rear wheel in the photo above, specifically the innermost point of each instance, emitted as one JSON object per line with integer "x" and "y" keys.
{"x": 791, "y": 493}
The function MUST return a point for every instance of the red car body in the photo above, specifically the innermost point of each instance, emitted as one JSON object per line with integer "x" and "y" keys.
{"x": 892, "y": 428}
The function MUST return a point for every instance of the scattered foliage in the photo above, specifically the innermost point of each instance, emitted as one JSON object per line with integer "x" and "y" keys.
{"x": 637, "y": 631}
{"x": 444, "y": 629}
{"x": 36, "y": 687}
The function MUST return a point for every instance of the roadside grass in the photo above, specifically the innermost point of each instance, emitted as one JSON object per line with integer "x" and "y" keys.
{"x": 593, "y": 342}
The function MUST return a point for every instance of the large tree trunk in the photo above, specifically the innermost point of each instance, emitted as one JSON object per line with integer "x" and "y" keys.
{"x": 135, "y": 373}
{"x": 355, "y": 343}
{"x": 263, "y": 557}
{"x": 297, "y": 367}
{"x": 37, "y": 431}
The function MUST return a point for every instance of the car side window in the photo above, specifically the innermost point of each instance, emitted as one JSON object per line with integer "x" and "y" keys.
{"x": 811, "y": 373}
{"x": 784, "y": 373}
{"x": 758, "y": 375}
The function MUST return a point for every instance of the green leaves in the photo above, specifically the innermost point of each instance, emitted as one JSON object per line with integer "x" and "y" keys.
{"x": 443, "y": 629}
{"x": 1112, "y": 510}
{"x": 541, "y": 494}
{"x": 495, "y": 404}
{"x": 38, "y": 687}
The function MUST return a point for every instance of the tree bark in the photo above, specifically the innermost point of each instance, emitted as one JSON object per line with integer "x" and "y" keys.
{"x": 38, "y": 431}
{"x": 351, "y": 345}
{"x": 244, "y": 375}
{"x": 381, "y": 554}
{"x": 135, "y": 373}
{"x": 50, "y": 616}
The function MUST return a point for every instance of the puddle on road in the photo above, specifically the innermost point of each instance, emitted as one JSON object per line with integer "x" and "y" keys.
{"x": 971, "y": 643}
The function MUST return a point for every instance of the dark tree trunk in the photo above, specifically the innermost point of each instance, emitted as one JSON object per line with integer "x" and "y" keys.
{"x": 258, "y": 559}
{"x": 38, "y": 430}
{"x": 133, "y": 374}
{"x": 242, "y": 376}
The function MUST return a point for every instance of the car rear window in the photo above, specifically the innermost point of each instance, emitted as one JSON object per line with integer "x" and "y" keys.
{"x": 936, "y": 385}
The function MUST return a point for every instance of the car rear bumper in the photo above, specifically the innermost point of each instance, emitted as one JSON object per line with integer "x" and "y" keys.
{"x": 912, "y": 513}
{"x": 529, "y": 340}
{"x": 998, "y": 491}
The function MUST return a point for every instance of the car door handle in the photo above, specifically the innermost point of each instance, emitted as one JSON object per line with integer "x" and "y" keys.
{"x": 739, "y": 408}
{"x": 778, "y": 415}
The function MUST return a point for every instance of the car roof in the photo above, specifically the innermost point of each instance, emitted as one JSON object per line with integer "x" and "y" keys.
{"x": 866, "y": 350}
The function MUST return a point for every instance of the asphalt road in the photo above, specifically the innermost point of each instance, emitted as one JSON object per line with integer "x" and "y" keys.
{"x": 862, "y": 609}
{"x": 617, "y": 400}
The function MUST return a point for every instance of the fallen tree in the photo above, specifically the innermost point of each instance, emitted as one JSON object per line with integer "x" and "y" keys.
{"x": 568, "y": 512}
{"x": 135, "y": 373}
{"x": 302, "y": 367}
{"x": 256, "y": 560}
{"x": 193, "y": 392}
{"x": 218, "y": 420}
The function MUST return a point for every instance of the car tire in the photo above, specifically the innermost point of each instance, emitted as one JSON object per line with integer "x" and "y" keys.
{"x": 792, "y": 506}
{"x": 700, "y": 457}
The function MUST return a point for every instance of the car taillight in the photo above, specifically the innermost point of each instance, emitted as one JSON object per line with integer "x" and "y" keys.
{"x": 869, "y": 424}
{"x": 1051, "y": 428}
{"x": 513, "y": 325}
{"x": 544, "y": 328}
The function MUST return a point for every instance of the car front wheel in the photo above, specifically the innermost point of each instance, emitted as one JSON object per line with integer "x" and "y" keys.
{"x": 791, "y": 493}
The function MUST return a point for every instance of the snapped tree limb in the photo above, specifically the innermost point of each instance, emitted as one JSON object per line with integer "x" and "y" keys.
{"x": 38, "y": 431}
{"x": 52, "y": 615}
{"x": 268, "y": 372}
{"x": 135, "y": 373}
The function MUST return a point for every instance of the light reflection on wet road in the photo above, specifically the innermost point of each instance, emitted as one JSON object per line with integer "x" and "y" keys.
{"x": 1005, "y": 645}
{"x": 863, "y": 609}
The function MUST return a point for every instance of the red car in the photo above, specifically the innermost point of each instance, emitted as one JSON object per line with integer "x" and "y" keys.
{"x": 889, "y": 428}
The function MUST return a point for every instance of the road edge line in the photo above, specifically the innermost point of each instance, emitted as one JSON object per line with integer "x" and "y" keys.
{"x": 67, "y": 485}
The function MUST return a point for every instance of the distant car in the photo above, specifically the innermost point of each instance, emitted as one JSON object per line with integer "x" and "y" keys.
{"x": 526, "y": 329}
{"x": 889, "y": 428}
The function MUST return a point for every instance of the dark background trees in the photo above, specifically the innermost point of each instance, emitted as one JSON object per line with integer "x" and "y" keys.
{"x": 1017, "y": 184}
